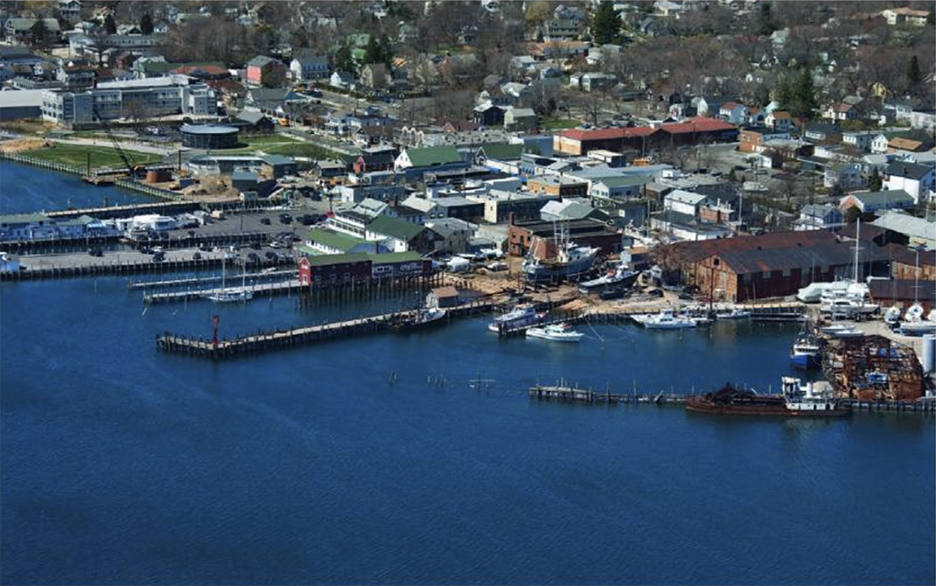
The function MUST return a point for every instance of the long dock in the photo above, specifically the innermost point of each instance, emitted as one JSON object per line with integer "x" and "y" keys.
{"x": 128, "y": 268}
{"x": 172, "y": 283}
{"x": 258, "y": 290}
{"x": 566, "y": 394}
{"x": 121, "y": 211}
{"x": 228, "y": 348}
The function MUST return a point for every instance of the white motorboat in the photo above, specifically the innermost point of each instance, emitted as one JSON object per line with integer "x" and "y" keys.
{"x": 914, "y": 323}
{"x": 840, "y": 330}
{"x": 849, "y": 308}
{"x": 666, "y": 319}
{"x": 555, "y": 332}
{"x": 519, "y": 317}
{"x": 733, "y": 314}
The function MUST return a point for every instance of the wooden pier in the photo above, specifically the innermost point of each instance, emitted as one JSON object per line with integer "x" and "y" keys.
{"x": 257, "y": 289}
{"x": 128, "y": 268}
{"x": 174, "y": 283}
{"x": 563, "y": 393}
{"x": 265, "y": 341}
{"x": 566, "y": 394}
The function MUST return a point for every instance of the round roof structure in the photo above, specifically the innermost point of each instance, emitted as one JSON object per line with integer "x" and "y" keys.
{"x": 208, "y": 129}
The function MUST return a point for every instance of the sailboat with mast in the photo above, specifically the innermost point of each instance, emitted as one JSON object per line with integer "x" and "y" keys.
{"x": 848, "y": 298}
{"x": 234, "y": 295}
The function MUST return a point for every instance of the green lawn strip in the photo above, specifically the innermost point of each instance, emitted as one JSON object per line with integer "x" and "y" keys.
{"x": 77, "y": 155}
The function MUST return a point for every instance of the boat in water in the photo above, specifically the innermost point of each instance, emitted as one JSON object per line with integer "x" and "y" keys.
{"x": 733, "y": 314}
{"x": 556, "y": 333}
{"x": 225, "y": 295}
{"x": 796, "y": 400}
{"x": 520, "y": 316}
{"x": 423, "y": 318}
{"x": 571, "y": 261}
{"x": 805, "y": 351}
{"x": 666, "y": 319}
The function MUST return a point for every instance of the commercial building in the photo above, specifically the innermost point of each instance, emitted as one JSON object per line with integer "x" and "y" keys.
{"x": 522, "y": 237}
{"x": 137, "y": 99}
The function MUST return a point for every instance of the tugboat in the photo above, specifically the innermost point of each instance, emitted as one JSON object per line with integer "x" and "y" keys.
{"x": 796, "y": 400}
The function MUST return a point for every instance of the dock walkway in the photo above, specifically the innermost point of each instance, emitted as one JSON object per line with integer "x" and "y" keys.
{"x": 263, "y": 341}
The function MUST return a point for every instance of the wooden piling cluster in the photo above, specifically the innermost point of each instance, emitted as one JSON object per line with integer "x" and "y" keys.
{"x": 265, "y": 341}
{"x": 566, "y": 394}
{"x": 369, "y": 289}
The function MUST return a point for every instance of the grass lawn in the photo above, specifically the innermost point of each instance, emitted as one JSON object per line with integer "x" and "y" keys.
{"x": 77, "y": 155}
{"x": 548, "y": 123}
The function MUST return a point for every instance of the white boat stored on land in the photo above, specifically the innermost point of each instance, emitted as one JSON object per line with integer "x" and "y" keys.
{"x": 556, "y": 333}
{"x": 666, "y": 319}
{"x": 840, "y": 330}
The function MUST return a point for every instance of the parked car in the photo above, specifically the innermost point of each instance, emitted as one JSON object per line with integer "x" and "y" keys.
{"x": 196, "y": 256}
{"x": 271, "y": 255}
{"x": 96, "y": 252}
{"x": 265, "y": 221}
{"x": 255, "y": 245}
{"x": 253, "y": 257}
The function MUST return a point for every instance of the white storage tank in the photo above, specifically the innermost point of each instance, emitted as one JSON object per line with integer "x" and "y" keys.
{"x": 929, "y": 353}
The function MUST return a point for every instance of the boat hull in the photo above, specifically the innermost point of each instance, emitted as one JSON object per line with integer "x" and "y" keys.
{"x": 544, "y": 272}
{"x": 804, "y": 361}
{"x": 771, "y": 409}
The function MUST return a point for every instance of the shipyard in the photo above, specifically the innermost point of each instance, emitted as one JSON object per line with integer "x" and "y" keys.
{"x": 421, "y": 279}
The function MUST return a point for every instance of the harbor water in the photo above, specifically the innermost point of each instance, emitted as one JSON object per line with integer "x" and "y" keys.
{"x": 419, "y": 458}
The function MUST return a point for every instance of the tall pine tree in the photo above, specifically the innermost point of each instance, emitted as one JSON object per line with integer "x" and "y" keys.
{"x": 606, "y": 24}
{"x": 146, "y": 24}
{"x": 110, "y": 26}
{"x": 914, "y": 77}
{"x": 39, "y": 34}
{"x": 804, "y": 95}
{"x": 784, "y": 94}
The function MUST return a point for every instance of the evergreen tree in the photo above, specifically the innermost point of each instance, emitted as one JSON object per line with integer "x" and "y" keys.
{"x": 606, "y": 24}
{"x": 765, "y": 24}
{"x": 784, "y": 94}
{"x": 344, "y": 59}
{"x": 39, "y": 34}
{"x": 913, "y": 75}
{"x": 146, "y": 24}
{"x": 110, "y": 25}
{"x": 372, "y": 50}
{"x": 804, "y": 96}
{"x": 875, "y": 182}
{"x": 386, "y": 50}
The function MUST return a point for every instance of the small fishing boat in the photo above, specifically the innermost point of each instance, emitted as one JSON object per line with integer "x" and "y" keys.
{"x": 556, "y": 333}
{"x": 805, "y": 351}
{"x": 733, "y": 314}
{"x": 666, "y": 319}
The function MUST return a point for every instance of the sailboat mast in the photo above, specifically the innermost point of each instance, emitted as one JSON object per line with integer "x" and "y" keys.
{"x": 857, "y": 245}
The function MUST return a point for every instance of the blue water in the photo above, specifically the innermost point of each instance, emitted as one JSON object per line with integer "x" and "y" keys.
{"x": 30, "y": 189}
{"x": 123, "y": 465}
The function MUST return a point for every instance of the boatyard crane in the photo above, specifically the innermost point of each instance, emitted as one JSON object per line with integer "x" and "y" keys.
{"x": 132, "y": 169}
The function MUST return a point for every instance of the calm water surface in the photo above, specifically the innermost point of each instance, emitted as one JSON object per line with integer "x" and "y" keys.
{"x": 122, "y": 465}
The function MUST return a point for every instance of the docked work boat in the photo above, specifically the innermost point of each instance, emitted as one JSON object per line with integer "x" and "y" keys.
{"x": 424, "y": 318}
{"x": 520, "y": 316}
{"x": 666, "y": 319}
{"x": 805, "y": 351}
{"x": 796, "y": 400}
{"x": 735, "y": 313}
{"x": 571, "y": 261}
{"x": 555, "y": 333}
